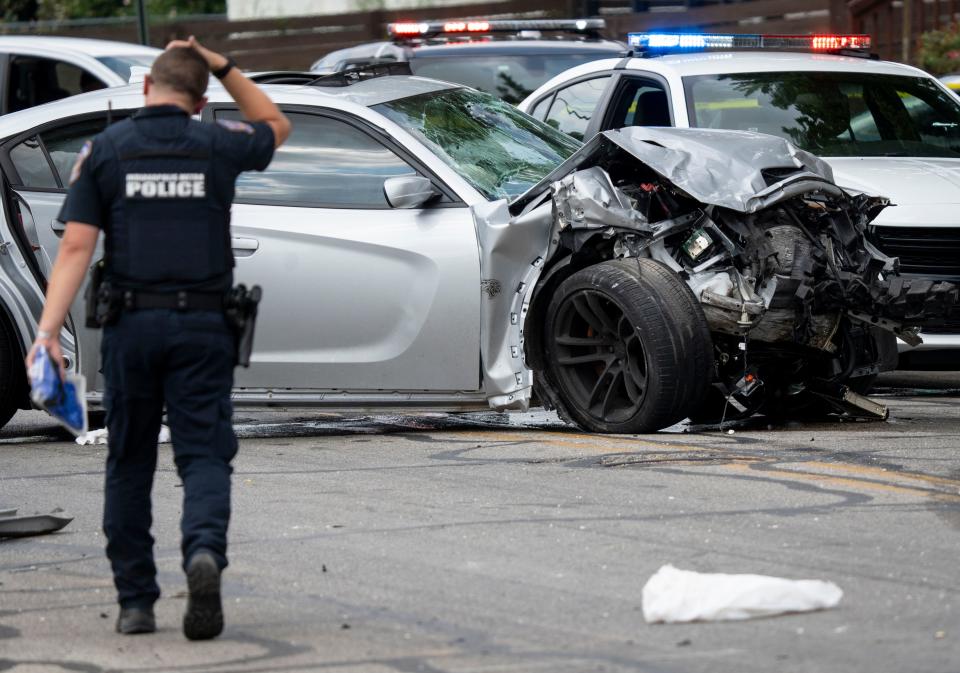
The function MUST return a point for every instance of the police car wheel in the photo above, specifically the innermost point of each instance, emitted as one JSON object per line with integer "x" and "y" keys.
{"x": 13, "y": 377}
{"x": 627, "y": 347}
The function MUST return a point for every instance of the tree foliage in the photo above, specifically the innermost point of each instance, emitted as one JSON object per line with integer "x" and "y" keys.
{"x": 939, "y": 52}
{"x": 18, "y": 10}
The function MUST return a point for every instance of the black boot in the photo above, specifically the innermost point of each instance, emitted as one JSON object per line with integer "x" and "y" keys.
{"x": 136, "y": 620}
{"x": 204, "y": 617}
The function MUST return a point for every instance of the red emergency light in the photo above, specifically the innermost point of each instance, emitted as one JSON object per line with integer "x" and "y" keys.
{"x": 466, "y": 27}
{"x": 407, "y": 29}
{"x": 834, "y": 42}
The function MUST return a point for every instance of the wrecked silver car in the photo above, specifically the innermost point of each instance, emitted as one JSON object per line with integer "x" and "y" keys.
{"x": 711, "y": 274}
{"x": 425, "y": 246}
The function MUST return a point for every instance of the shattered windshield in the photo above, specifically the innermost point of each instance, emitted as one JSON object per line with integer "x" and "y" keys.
{"x": 499, "y": 150}
{"x": 832, "y": 113}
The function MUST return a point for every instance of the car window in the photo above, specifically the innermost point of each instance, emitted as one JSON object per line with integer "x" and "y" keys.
{"x": 499, "y": 150}
{"x": 64, "y": 143}
{"x": 639, "y": 102}
{"x": 573, "y": 106}
{"x": 34, "y": 81}
{"x": 325, "y": 162}
{"x": 510, "y": 77}
{"x": 32, "y": 165}
{"x": 832, "y": 113}
{"x": 122, "y": 65}
{"x": 540, "y": 109}
{"x": 933, "y": 129}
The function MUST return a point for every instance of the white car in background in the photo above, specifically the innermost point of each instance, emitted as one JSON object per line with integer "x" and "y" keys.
{"x": 885, "y": 128}
{"x": 39, "y": 69}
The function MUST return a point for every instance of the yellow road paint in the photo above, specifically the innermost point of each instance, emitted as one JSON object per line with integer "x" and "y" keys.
{"x": 884, "y": 474}
{"x": 840, "y": 482}
{"x": 857, "y": 477}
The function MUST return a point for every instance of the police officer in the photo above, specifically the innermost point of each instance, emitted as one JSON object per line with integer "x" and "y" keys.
{"x": 160, "y": 186}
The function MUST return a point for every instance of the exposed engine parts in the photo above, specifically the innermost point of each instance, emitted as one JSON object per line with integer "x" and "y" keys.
{"x": 801, "y": 307}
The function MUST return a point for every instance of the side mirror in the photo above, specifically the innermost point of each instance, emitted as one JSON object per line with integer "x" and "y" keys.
{"x": 408, "y": 191}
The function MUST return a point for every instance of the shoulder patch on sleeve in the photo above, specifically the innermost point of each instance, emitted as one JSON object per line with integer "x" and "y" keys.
{"x": 81, "y": 157}
{"x": 235, "y": 126}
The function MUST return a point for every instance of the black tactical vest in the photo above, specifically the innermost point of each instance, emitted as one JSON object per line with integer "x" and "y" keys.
{"x": 168, "y": 224}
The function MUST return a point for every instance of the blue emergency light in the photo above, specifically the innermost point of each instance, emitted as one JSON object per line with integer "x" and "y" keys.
{"x": 678, "y": 42}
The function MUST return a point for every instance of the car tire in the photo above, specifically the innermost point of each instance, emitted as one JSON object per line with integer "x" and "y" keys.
{"x": 627, "y": 348}
{"x": 13, "y": 375}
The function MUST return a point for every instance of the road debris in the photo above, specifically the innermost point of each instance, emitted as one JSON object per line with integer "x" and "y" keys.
{"x": 29, "y": 525}
{"x": 101, "y": 436}
{"x": 673, "y": 595}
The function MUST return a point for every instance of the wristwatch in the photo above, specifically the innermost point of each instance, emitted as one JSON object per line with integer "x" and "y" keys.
{"x": 220, "y": 73}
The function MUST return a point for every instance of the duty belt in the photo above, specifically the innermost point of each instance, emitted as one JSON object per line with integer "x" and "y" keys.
{"x": 133, "y": 300}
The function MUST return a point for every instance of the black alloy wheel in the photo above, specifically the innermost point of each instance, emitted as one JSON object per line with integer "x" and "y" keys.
{"x": 599, "y": 357}
{"x": 627, "y": 348}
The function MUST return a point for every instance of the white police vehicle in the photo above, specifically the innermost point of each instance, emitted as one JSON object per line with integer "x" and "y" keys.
{"x": 40, "y": 69}
{"x": 885, "y": 128}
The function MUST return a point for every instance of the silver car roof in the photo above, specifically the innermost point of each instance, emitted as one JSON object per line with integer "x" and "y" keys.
{"x": 348, "y": 98}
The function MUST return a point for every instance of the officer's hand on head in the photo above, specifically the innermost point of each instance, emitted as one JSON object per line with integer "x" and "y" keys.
{"x": 52, "y": 344}
{"x": 213, "y": 59}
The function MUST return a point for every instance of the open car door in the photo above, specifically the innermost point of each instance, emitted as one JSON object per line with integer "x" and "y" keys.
{"x": 36, "y": 168}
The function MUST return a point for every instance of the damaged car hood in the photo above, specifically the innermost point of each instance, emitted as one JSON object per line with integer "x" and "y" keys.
{"x": 739, "y": 170}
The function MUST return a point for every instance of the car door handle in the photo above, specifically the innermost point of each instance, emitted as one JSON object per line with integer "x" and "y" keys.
{"x": 58, "y": 226}
{"x": 244, "y": 247}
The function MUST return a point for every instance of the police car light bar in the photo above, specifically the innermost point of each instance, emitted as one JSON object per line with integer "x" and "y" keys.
{"x": 694, "y": 41}
{"x": 433, "y": 28}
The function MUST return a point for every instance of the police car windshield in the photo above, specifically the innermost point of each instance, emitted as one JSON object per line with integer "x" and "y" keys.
{"x": 122, "y": 64}
{"x": 509, "y": 77}
{"x": 832, "y": 113}
{"x": 499, "y": 150}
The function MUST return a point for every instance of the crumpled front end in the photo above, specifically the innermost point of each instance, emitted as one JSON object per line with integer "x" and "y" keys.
{"x": 798, "y": 302}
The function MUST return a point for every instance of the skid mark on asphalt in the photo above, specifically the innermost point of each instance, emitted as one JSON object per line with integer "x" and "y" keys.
{"x": 655, "y": 453}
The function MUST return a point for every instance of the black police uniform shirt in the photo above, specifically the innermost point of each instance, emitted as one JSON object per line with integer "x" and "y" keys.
{"x": 160, "y": 185}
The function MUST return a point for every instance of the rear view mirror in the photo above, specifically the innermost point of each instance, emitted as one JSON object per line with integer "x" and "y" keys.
{"x": 408, "y": 191}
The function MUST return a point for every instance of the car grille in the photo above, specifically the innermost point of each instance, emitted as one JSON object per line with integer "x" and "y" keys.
{"x": 926, "y": 251}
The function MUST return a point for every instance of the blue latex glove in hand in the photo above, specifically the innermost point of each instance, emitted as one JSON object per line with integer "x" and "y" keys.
{"x": 62, "y": 398}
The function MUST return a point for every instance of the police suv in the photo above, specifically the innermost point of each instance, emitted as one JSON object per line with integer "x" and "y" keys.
{"x": 506, "y": 58}
{"x": 885, "y": 128}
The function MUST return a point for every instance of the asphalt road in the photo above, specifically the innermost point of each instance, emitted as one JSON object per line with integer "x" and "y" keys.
{"x": 478, "y": 543}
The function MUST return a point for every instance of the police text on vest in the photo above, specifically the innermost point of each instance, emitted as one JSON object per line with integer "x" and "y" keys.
{"x": 166, "y": 185}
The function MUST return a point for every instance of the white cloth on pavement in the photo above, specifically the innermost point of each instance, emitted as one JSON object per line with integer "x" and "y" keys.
{"x": 674, "y": 595}
{"x": 100, "y": 436}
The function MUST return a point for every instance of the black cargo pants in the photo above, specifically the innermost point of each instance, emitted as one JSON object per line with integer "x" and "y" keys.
{"x": 186, "y": 359}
